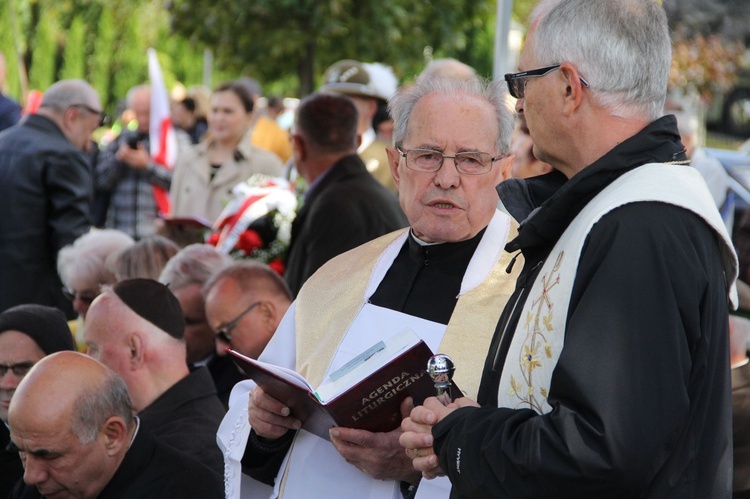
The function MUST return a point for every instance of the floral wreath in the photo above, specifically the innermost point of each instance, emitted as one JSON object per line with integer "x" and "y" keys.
{"x": 257, "y": 223}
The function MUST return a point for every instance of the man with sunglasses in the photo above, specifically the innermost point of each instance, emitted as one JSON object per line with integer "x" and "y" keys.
{"x": 445, "y": 277}
{"x": 28, "y": 333}
{"x": 45, "y": 193}
{"x": 608, "y": 375}
{"x": 245, "y": 302}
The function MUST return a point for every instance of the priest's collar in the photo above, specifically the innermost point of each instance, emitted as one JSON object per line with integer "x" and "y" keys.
{"x": 419, "y": 248}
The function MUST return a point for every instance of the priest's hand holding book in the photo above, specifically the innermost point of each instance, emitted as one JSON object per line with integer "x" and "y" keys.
{"x": 416, "y": 438}
{"x": 377, "y": 454}
{"x": 269, "y": 418}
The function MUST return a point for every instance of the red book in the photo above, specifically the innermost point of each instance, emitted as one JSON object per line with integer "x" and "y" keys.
{"x": 366, "y": 393}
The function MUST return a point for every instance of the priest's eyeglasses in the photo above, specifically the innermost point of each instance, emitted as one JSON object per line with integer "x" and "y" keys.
{"x": 20, "y": 370}
{"x": 430, "y": 161}
{"x": 517, "y": 81}
{"x": 223, "y": 333}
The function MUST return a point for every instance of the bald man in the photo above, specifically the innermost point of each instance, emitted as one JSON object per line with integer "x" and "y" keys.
{"x": 73, "y": 423}
{"x": 136, "y": 328}
{"x": 45, "y": 193}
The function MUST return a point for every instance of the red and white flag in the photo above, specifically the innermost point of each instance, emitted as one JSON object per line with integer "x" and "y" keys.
{"x": 161, "y": 134}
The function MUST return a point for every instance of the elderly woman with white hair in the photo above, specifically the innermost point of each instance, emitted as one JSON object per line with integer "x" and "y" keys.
{"x": 85, "y": 266}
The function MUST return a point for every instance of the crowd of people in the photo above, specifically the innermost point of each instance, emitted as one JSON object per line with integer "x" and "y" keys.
{"x": 567, "y": 242}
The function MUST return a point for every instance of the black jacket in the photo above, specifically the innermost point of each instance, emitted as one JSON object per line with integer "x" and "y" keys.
{"x": 46, "y": 188}
{"x": 152, "y": 470}
{"x": 186, "y": 417}
{"x": 640, "y": 396}
{"x": 346, "y": 209}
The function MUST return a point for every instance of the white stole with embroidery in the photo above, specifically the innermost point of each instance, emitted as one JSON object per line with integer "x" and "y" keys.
{"x": 540, "y": 334}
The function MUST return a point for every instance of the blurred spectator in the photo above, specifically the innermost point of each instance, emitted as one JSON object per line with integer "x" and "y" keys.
{"x": 185, "y": 274}
{"x": 185, "y": 117}
{"x": 710, "y": 168}
{"x": 145, "y": 259}
{"x": 73, "y": 422}
{"x": 244, "y": 305}
{"x": 45, "y": 193}
{"x": 368, "y": 86}
{"x": 265, "y": 133}
{"x": 206, "y": 173}
{"x": 84, "y": 265}
{"x": 525, "y": 164}
{"x": 383, "y": 124}
{"x": 274, "y": 107}
{"x": 344, "y": 206}
{"x": 125, "y": 170}
{"x": 27, "y": 334}
{"x": 136, "y": 328}
{"x": 10, "y": 111}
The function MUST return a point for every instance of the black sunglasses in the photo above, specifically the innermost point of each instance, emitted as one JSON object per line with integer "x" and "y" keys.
{"x": 223, "y": 333}
{"x": 517, "y": 81}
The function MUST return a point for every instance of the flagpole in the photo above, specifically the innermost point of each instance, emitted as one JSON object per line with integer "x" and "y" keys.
{"x": 502, "y": 29}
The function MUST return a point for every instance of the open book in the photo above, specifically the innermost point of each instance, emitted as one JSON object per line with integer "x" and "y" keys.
{"x": 365, "y": 393}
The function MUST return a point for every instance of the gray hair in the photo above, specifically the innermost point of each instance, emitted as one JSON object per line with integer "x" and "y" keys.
{"x": 193, "y": 264}
{"x": 95, "y": 405}
{"x": 447, "y": 68}
{"x": 144, "y": 259}
{"x": 621, "y": 47}
{"x": 66, "y": 93}
{"x": 403, "y": 102}
{"x": 250, "y": 277}
{"x": 86, "y": 259}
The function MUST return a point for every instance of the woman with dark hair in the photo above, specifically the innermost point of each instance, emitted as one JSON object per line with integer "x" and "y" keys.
{"x": 206, "y": 173}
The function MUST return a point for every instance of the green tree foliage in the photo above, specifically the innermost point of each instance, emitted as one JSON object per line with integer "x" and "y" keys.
{"x": 101, "y": 60}
{"x": 12, "y": 84}
{"x": 42, "y": 72}
{"x": 74, "y": 56}
{"x": 272, "y": 39}
{"x": 130, "y": 64}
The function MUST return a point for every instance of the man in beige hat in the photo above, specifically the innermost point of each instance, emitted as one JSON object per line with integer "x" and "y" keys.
{"x": 368, "y": 85}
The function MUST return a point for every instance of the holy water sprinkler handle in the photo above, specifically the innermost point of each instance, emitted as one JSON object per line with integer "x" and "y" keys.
{"x": 440, "y": 367}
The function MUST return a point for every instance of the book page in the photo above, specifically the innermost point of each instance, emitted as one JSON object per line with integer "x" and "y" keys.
{"x": 286, "y": 374}
{"x": 373, "y": 324}
{"x": 374, "y": 359}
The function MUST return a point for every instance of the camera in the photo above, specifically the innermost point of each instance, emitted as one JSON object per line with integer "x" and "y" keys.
{"x": 133, "y": 142}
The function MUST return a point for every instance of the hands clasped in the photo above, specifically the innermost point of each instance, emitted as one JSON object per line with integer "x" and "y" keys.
{"x": 417, "y": 439}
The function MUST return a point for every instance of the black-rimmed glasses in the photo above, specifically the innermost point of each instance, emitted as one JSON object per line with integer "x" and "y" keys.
{"x": 20, "y": 370}
{"x": 223, "y": 333}
{"x": 84, "y": 296}
{"x": 430, "y": 161}
{"x": 517, "y": 81}
{"x": 103, "y": 118}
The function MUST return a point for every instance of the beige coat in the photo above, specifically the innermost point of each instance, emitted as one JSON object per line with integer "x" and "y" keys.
{"x": 193, "y": 193}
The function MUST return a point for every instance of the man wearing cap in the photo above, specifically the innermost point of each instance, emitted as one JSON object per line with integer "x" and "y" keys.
{"x": 136, "y": 328}
{"x": 45, "y": 193}
{"x": 368, "y": 85}
{"x": 27, "y": 334}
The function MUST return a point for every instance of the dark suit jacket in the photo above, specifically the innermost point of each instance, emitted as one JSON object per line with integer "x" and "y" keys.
{"x": 346, "y": 209}
{"x": 46, "y": 187}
